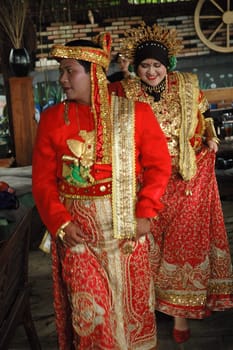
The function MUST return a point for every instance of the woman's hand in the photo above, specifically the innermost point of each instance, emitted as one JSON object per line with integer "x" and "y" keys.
{"x": 213, "y": 146}
{"x": 143, "y": 227}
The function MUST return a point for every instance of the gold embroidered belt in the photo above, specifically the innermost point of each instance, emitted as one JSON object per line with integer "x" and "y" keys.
{"x": 96, "y": 190}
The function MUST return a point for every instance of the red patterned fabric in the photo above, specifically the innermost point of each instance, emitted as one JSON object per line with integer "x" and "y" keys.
{"x": 195, "y": 272}
{"x": 105, "y": 298}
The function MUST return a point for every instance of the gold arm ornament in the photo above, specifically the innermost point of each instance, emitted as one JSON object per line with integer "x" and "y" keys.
{"x": 210, "y": 132}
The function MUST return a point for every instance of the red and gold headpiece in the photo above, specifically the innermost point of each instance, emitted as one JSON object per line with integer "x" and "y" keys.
{"x": 95, "y": 55}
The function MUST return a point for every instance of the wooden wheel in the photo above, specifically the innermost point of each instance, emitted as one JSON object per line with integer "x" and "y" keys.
{"x": 213, "y": 21}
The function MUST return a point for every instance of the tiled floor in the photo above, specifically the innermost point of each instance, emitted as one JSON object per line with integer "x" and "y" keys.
{"x": 214, "y": 333}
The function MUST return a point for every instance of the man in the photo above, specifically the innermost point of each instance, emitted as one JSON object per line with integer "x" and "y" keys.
{"x": 125, "y": 69}
{"x": 98, "y": 174}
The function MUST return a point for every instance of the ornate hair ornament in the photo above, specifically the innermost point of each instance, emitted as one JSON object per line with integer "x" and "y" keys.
{"x": 100, "y": 56}
{"x": 162, "y": 36}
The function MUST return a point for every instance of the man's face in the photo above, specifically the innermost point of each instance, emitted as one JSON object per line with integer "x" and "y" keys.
{"x": 75, "y": 82}
{"x": 123, "y": 63}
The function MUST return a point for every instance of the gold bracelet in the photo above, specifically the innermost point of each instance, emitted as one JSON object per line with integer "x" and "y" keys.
{"x": 216, "y": 140}
{"x": 210, "y": 131}
{"x": 60, "y": 232}
{"x": 61, "y": 235}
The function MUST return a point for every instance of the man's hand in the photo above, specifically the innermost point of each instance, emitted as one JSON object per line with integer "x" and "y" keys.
{"x": 72, "y": 235}
{"x": 143, "y": 227}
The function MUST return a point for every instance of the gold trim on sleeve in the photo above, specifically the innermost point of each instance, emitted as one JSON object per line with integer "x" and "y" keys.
{"x": 210, "y": 132}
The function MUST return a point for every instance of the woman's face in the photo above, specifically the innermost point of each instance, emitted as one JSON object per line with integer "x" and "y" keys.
{"x": 74, "y": 80}
{"x": 151, "y": 71}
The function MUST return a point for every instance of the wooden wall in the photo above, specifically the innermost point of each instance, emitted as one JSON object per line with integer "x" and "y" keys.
{"x": 23, "y": 122}
{"x": 223, "y": 97}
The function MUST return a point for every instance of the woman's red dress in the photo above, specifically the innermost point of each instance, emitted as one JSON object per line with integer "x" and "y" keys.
{"x": 192, "y": 261}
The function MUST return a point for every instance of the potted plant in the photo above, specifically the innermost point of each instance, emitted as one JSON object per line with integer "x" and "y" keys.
{"x": 12, "y": 21}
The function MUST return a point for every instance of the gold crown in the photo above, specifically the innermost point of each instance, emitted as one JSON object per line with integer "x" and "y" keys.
{"x": 136, "y": 36}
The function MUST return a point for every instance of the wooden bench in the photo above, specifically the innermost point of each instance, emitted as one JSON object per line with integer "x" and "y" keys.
{"x": 14, "y": 286}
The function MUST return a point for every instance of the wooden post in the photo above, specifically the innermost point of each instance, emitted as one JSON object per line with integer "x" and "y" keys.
{"x": 23, "y": 122}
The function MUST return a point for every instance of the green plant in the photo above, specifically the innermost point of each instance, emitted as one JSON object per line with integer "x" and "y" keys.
{"x": 47, "y": 93}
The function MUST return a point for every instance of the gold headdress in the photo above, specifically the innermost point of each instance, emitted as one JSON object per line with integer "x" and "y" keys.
{"x": 135, "y": 37}
{"x": 95, "y": 55}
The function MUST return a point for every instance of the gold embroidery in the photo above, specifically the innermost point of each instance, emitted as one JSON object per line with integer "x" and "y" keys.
{"x": 105, "y": 115}
{"x": 87, "y": 314}
{"x": 78, "y": 172}
{"x": 123, "y": 162}
{"x": 203, "y": 105}
{"x": 168, "y": 117}
{"x": 128, "y": 247}
{"x": 90, "y": 54}
{"x": 176, "y": 113}
{"x": 188, "y": 88}
{"x": 210, "y": 131}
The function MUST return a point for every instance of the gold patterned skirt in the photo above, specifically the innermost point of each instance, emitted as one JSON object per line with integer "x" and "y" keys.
{"x": 103, "y": 289}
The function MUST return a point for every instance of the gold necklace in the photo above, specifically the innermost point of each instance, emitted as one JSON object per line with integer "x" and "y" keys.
{"x": 154, "y": 89}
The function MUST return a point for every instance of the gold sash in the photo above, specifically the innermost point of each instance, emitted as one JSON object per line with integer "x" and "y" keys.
{"x": 123, "y": 168}
{"x": 189, "y": 90}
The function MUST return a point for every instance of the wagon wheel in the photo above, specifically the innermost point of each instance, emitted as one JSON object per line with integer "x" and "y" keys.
{"x": 213, "y": 21}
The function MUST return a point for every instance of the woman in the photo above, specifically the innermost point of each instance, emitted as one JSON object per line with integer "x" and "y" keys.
{"x": 86, "y": 196}
{"x": 194, "y": 275}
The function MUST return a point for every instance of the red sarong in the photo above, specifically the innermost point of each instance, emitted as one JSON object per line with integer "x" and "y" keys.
{"x": 194, "y": 276}
{"x": 104, "y": 291}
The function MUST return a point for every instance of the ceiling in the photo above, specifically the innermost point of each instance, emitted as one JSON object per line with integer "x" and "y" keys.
{"x": 44, "y": 12}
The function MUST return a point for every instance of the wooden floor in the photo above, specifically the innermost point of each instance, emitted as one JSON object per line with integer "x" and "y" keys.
{"x": 213, "y": 333}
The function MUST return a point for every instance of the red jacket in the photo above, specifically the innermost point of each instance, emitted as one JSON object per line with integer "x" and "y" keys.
{"x": 151, "y": 154}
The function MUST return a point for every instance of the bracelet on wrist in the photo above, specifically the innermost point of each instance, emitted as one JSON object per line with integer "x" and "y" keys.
{"x": 61, "y": 233}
